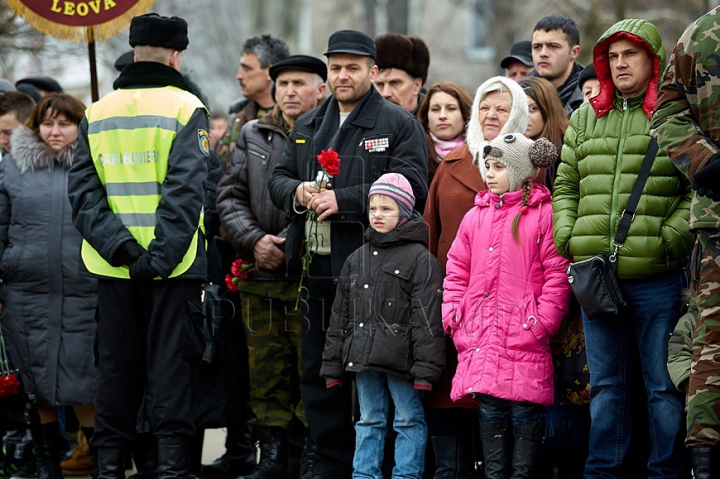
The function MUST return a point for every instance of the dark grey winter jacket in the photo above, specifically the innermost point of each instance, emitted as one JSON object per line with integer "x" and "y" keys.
{"x": 48, "y": 308}
{"x": 387, "y": 311}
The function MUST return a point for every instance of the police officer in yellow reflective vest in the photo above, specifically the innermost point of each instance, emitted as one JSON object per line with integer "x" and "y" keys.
{"x": 136, "y": 191}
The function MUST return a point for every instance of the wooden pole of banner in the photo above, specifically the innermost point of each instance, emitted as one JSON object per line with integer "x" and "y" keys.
{"x": 95, "y": 96}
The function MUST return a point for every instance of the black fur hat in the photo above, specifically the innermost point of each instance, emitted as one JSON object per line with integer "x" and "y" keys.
{"x": 154, "y": 30}
{"x": 403, "y": 52}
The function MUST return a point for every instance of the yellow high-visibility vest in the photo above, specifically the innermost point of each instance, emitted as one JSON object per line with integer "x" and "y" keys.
{"x": 130, "y": 135}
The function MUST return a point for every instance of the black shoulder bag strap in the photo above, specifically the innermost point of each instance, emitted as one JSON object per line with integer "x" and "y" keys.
{"x": 628, "y": 215}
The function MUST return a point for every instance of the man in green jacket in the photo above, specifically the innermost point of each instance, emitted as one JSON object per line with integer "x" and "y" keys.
{"x": 605, "y": 145}
{"x": 686, "y": 126}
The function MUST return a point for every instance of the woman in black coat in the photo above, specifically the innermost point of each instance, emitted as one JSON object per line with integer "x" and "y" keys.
{"x": 48, "y": 307}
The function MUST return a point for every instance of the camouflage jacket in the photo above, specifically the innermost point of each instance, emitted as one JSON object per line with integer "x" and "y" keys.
{"x": 225, "y": 145}
{"x": 686, "y": 123}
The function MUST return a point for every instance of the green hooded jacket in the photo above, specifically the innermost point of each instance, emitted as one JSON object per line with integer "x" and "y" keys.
{"x": 687, "y": 123}
{"x": 603, "y": 151}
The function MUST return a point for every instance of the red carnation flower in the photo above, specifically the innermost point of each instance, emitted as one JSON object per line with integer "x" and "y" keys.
{"x": 330, "y": 162}
{"x": 237, "y": 267}
{"x": 230, "y": 283}
{"x": 8, "y": 385}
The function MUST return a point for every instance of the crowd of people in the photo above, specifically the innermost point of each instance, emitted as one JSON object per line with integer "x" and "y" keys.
{"x": 362, "y": 275}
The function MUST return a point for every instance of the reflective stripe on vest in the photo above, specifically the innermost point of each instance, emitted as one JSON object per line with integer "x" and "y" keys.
{"x": 130, "y": 135}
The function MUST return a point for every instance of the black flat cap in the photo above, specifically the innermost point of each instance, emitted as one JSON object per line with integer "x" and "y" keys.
{"x": 521, "y": 51}
{"x": 127, "y": 58}
{"x": 30, "y": 91}
{"x": 154, "y": 30}
{"x": 42, "y": 83}
{"x": 351, "y": 41}
{"x": 299, "y": 62}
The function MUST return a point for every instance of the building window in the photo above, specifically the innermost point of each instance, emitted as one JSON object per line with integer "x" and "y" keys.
{"x": 478, "y": 41}
{"x": 384, "y": 16}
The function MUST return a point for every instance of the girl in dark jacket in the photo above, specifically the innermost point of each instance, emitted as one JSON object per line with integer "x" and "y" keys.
{"x": 386, "y": 328}
{"x": 48, "y": 307}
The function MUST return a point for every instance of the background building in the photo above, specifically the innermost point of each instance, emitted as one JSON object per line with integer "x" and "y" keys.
{"x": 467, "y": 38}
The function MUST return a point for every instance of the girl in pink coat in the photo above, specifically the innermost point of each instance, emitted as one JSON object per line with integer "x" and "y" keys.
{"x": 506, "y": 292}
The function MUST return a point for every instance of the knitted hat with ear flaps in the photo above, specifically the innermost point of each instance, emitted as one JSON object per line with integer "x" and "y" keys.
{"x": 522, "y": 157}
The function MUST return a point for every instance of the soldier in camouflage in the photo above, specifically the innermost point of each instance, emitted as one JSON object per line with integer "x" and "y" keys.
{"x": 258, "y": 54}
{"x": 686, "y": 124}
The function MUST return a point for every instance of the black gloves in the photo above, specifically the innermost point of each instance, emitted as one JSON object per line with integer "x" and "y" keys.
{"x": 142, "y": 269}
{"x": 706, "y": 182}
{"x": 130, "y": 253}
{"x": 127, "y": 253}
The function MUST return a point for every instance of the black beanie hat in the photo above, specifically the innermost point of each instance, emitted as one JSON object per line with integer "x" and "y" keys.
{"x": 588, "y": 73}
{"x": 154, "y": 30}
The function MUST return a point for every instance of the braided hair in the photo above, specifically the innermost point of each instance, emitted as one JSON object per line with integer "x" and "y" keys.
{"x": 527, "y": 187}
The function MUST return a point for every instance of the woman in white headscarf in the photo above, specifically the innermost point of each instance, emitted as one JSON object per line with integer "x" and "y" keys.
{"x": 500, "y": 107}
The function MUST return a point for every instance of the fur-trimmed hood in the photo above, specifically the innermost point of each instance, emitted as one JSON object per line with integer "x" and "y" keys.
{"x": 31, "y": 153}
{"x": 516, "y": 123}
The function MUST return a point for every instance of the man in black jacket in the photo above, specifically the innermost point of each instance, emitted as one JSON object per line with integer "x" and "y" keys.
{"x": 372, "y": 137}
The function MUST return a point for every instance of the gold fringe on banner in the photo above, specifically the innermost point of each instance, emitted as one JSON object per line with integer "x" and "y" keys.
{"x": 85, "y": 34}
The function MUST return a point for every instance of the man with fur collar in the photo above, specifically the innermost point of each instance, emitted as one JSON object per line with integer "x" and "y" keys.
{"x": 604, "y": 149}
{"x": 137, "y": 191}
{"x": 372, "y": 137}
{"x": 403, "y": 64}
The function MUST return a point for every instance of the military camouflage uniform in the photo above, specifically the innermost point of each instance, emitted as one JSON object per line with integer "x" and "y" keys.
{"x": 248, "y": 112}
{"x": 273, "y": 339}
{"x": 687, "y": 125}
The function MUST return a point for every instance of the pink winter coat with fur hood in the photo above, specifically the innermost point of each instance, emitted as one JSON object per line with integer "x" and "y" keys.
{"x": 504, "y": 300}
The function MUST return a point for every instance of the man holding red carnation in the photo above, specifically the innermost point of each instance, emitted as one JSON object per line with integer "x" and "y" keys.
{"x": 256, "y": 229}
{"x": 372, "y": 137}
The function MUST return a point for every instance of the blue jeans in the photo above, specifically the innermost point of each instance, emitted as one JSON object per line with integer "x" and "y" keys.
{"x": 374, "y": 393}
{"x": 652, "y": 315}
